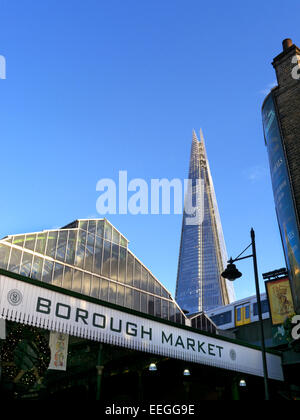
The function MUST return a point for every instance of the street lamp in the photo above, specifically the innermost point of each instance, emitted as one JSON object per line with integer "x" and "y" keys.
{"x": 231, "y": 273}
{"x": 242, "y": 383}
{"x": 152, "y": 367}
{"x": 186, "y": 372}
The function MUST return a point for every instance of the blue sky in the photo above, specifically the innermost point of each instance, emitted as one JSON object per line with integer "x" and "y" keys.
{"x": 96, "y": 87}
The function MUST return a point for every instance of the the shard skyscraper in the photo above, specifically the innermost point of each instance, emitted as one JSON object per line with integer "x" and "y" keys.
{"x": 202, "y": 256}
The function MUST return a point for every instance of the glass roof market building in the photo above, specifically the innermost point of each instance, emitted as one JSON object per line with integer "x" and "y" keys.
{"x": 77, "y": 307}
{"x": 90, "y": 257}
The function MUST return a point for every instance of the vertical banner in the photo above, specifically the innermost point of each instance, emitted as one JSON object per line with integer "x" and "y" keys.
{"x": 2, "y": 329}
{"x": 58, "y": 344}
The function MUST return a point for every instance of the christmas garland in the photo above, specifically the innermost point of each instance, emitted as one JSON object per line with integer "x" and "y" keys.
{"x": 25, "y": 355}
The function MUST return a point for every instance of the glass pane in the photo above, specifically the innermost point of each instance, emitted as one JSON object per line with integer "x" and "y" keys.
{"x": 4, "y": 255}
{"x": 123, "y": 242}
{"x": 77, "y": 280}
{"x": 247, "y": 312}
{"x": 112, "y": 293}
{"x": 92, "y": 226}
{"x": 89, "y": 252}
{"x": 19, "y": 240}
{"x": 100, "y": 228}
{"x": 51, "y": 244}
{"x": 164, "y": 293}
{"x": 165, "y": 309}
{"x": 107, "y": 231}
{"x": 136, "y": 300}
{"x": 47, "y": 271}
{"x": 41, "y": 241}
{"x": 114, "y": 262}
{"x": 83, "y": 224}
{"x": 157, "y": 307}
{"x": 130, "y": 267}
{"x": 61, "y": 245}
{"x": 98, "y": 255}
{"x": 26, "y": 264}
{"x": 137, "y": 274}
{"x": 115, "y": 237}
{"x": 70, "y": 252}
{"x": 144, "y": 279}
{"x": 106, "y": 259}
{"x": 58, "y": 274}
{"x": 120, "y": 295}
{"x": 255, "y": 309}
{"x": 36, "y": 272}
{"x": 15, "y": 260}
{"x": 178, "y": 316}
{"x": 144, "y": 306}
{"x": 30, "y": 242}
{"x": 238, "y": 314}
{"x": 86, "y": 286}
{"x": 122, "y": 265}
{"x": 104, "y": 290}
{"x": 150, "y": 305}
{"x": 171, "y": 311}
{"x": 157, "y": 289}
{"x": 128, "y": 297}
{"x": 80, "y": 251}
{"x": 68, "y": 275}
{"x": 95, "y": 287}
{"x": 264, "y": 306}
{"x": 151, "y": 283}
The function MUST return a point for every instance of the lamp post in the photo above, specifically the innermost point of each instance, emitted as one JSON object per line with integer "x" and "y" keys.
{"x": 232, "y": 273}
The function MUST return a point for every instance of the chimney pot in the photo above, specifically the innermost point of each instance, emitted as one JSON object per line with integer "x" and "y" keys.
{"x": 287, "y": 43}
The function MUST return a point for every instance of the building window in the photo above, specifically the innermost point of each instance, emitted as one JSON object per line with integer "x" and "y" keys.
{"x": 51, "y": 244}
{"x": 104, "y": 290}
{"x": 77, "y": 281}
{"x": 112, "y": 292}
{"x": 47, "y": 271}
{"x": 26, "y": 264}
{"x": 264, "y": 307}
{"x": 223, "y": 318}
{"x": 106, "y": 259}
{"x": 95, "y": 289}
{"x": 136, "y": 300}
{"x": 58, "y": 274}
{"x": 15, "y": 260}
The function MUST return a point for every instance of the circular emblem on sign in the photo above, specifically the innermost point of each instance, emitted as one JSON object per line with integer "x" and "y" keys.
{"x": 232, "y": 354}
{"x": 14, "y": 297}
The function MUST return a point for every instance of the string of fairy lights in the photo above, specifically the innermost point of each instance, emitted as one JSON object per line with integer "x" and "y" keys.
{"x": 24, "y": 355}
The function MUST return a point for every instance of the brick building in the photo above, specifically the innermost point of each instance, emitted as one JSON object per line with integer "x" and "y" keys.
{"x": 281, "y": 122}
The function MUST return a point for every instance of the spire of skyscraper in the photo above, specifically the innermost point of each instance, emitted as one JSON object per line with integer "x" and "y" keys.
{"x": 202, "y": 255}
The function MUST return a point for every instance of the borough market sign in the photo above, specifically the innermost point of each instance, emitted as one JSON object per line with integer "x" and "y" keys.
{"x": 55, "y": 311}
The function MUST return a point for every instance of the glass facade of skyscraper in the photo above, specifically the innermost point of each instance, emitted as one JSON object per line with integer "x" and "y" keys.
{"x": 202, "y": 255}
{"x": 92, "y": 258}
